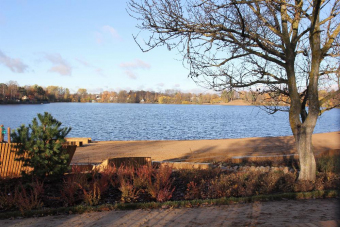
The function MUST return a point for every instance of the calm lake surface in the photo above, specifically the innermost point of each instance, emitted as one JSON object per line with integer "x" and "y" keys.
{"x": 107, "y": 121}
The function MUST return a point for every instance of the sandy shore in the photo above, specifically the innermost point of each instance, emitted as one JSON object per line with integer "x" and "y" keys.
{"x": 200, "y": 150}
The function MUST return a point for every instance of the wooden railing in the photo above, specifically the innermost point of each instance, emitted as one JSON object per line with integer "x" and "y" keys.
{"x": 2, "y": 135}
{"x": 10, "y": 167}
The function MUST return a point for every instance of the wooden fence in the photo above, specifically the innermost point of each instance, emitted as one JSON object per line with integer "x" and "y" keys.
{"x": 130, "y": 161}
{"x": 125, "y": 161}
{"x": 10, "y": 168}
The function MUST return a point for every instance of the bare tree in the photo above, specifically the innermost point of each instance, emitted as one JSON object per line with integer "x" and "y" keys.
{"x": 289, "y": 48}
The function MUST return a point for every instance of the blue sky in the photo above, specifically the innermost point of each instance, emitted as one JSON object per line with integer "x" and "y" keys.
{"x": 82, "y": 44}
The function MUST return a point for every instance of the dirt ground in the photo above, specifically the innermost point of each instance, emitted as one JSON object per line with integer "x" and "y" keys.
{"x": 200, "y": 150}
{"x": 319, "y": 212}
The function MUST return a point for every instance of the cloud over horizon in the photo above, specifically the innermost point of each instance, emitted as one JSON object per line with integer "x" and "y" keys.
{"x": 60, "y": 65}
{"x": 107, "y": 32}
{"x": 135, "y": 64}
{"x": 131, "y": 66}
{"x": 14, "y": 64}
{"x": 108, "y": 29}
{"x": 131, "y": 74}
{"x": 98, "y": 70}
{"x": 84, "y": 63}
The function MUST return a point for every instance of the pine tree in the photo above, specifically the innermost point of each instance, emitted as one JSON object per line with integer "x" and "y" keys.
{"x": 42, "y": 141}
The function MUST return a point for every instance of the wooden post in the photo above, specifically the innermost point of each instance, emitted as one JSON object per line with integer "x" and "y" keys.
{"x": 9, "y": 135}
{"x": 1, "y": 139}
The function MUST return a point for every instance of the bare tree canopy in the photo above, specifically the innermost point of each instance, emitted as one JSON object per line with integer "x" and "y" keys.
{"x": 291, "y": 48}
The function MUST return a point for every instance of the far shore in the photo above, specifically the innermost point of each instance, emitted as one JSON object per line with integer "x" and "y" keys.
{"x": 200, "y": 150}
{"x": 238, "y": 102}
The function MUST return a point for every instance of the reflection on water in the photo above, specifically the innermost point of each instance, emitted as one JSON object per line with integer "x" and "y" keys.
{"x": 106, "y": 121}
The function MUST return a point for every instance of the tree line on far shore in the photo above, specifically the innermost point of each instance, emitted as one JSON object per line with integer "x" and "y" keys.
{"x": 11, "y": 93}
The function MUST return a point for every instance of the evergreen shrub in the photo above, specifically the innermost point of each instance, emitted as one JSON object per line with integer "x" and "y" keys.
{"x": 43, "y": 142}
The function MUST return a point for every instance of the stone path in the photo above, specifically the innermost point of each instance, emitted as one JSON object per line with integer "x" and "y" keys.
{"x": 302, "y": 213}
{"x": 331, "y": 223}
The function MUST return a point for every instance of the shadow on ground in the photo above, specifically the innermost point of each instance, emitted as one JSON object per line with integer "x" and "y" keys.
{"x": 268, "y": 146}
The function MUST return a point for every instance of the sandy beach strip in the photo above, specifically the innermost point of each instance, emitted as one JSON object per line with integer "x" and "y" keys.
{"x": 200, "y": 150}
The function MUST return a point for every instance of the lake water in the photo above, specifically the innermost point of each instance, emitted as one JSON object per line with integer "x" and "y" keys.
{"x": 107, "y": 121}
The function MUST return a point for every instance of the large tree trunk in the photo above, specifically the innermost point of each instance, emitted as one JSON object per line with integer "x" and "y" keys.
{"x": 306, "y": 155}
{"x": 302, "y": 125}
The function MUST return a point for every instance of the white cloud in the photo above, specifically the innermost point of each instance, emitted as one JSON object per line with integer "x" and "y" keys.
{"x": 160, "y": 85}
{"x": 108, "y": 29}
{"x": 107, "y": 33}
{"x": 177, "y": 85}
{"x": 130, "y": 67}
{"x": 84, "y": 63}
{"x": 61, "y": 69}
{"x": 60, "y": 65}
{"x": 99, "y": 37}
{"x": 14, "y": 64}
{"x": 136, "y": 64}
{"x": 131, "y": 74}
{"x": 98, "y": 70}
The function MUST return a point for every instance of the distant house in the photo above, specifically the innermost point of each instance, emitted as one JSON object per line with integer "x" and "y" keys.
{"x": 142, "y": 101}
{"x": 24, "y": 97}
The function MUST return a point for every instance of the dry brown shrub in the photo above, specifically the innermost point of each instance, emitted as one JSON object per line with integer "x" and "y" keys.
{"x": 68, "y": 192}
{"x": 126, "y": 172}
{"x": 303, "y": 186}
{"x": 250, "y": 184}
{"x": 129, "y": 192}
{"x": 143, "y": 176}
{"x": 160, "y": 188}
{"x": 28, "y": 199}
{"x": 92, "y": 195}
{"x": 72, "y": 183}
{"x": 192, "y": 191}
